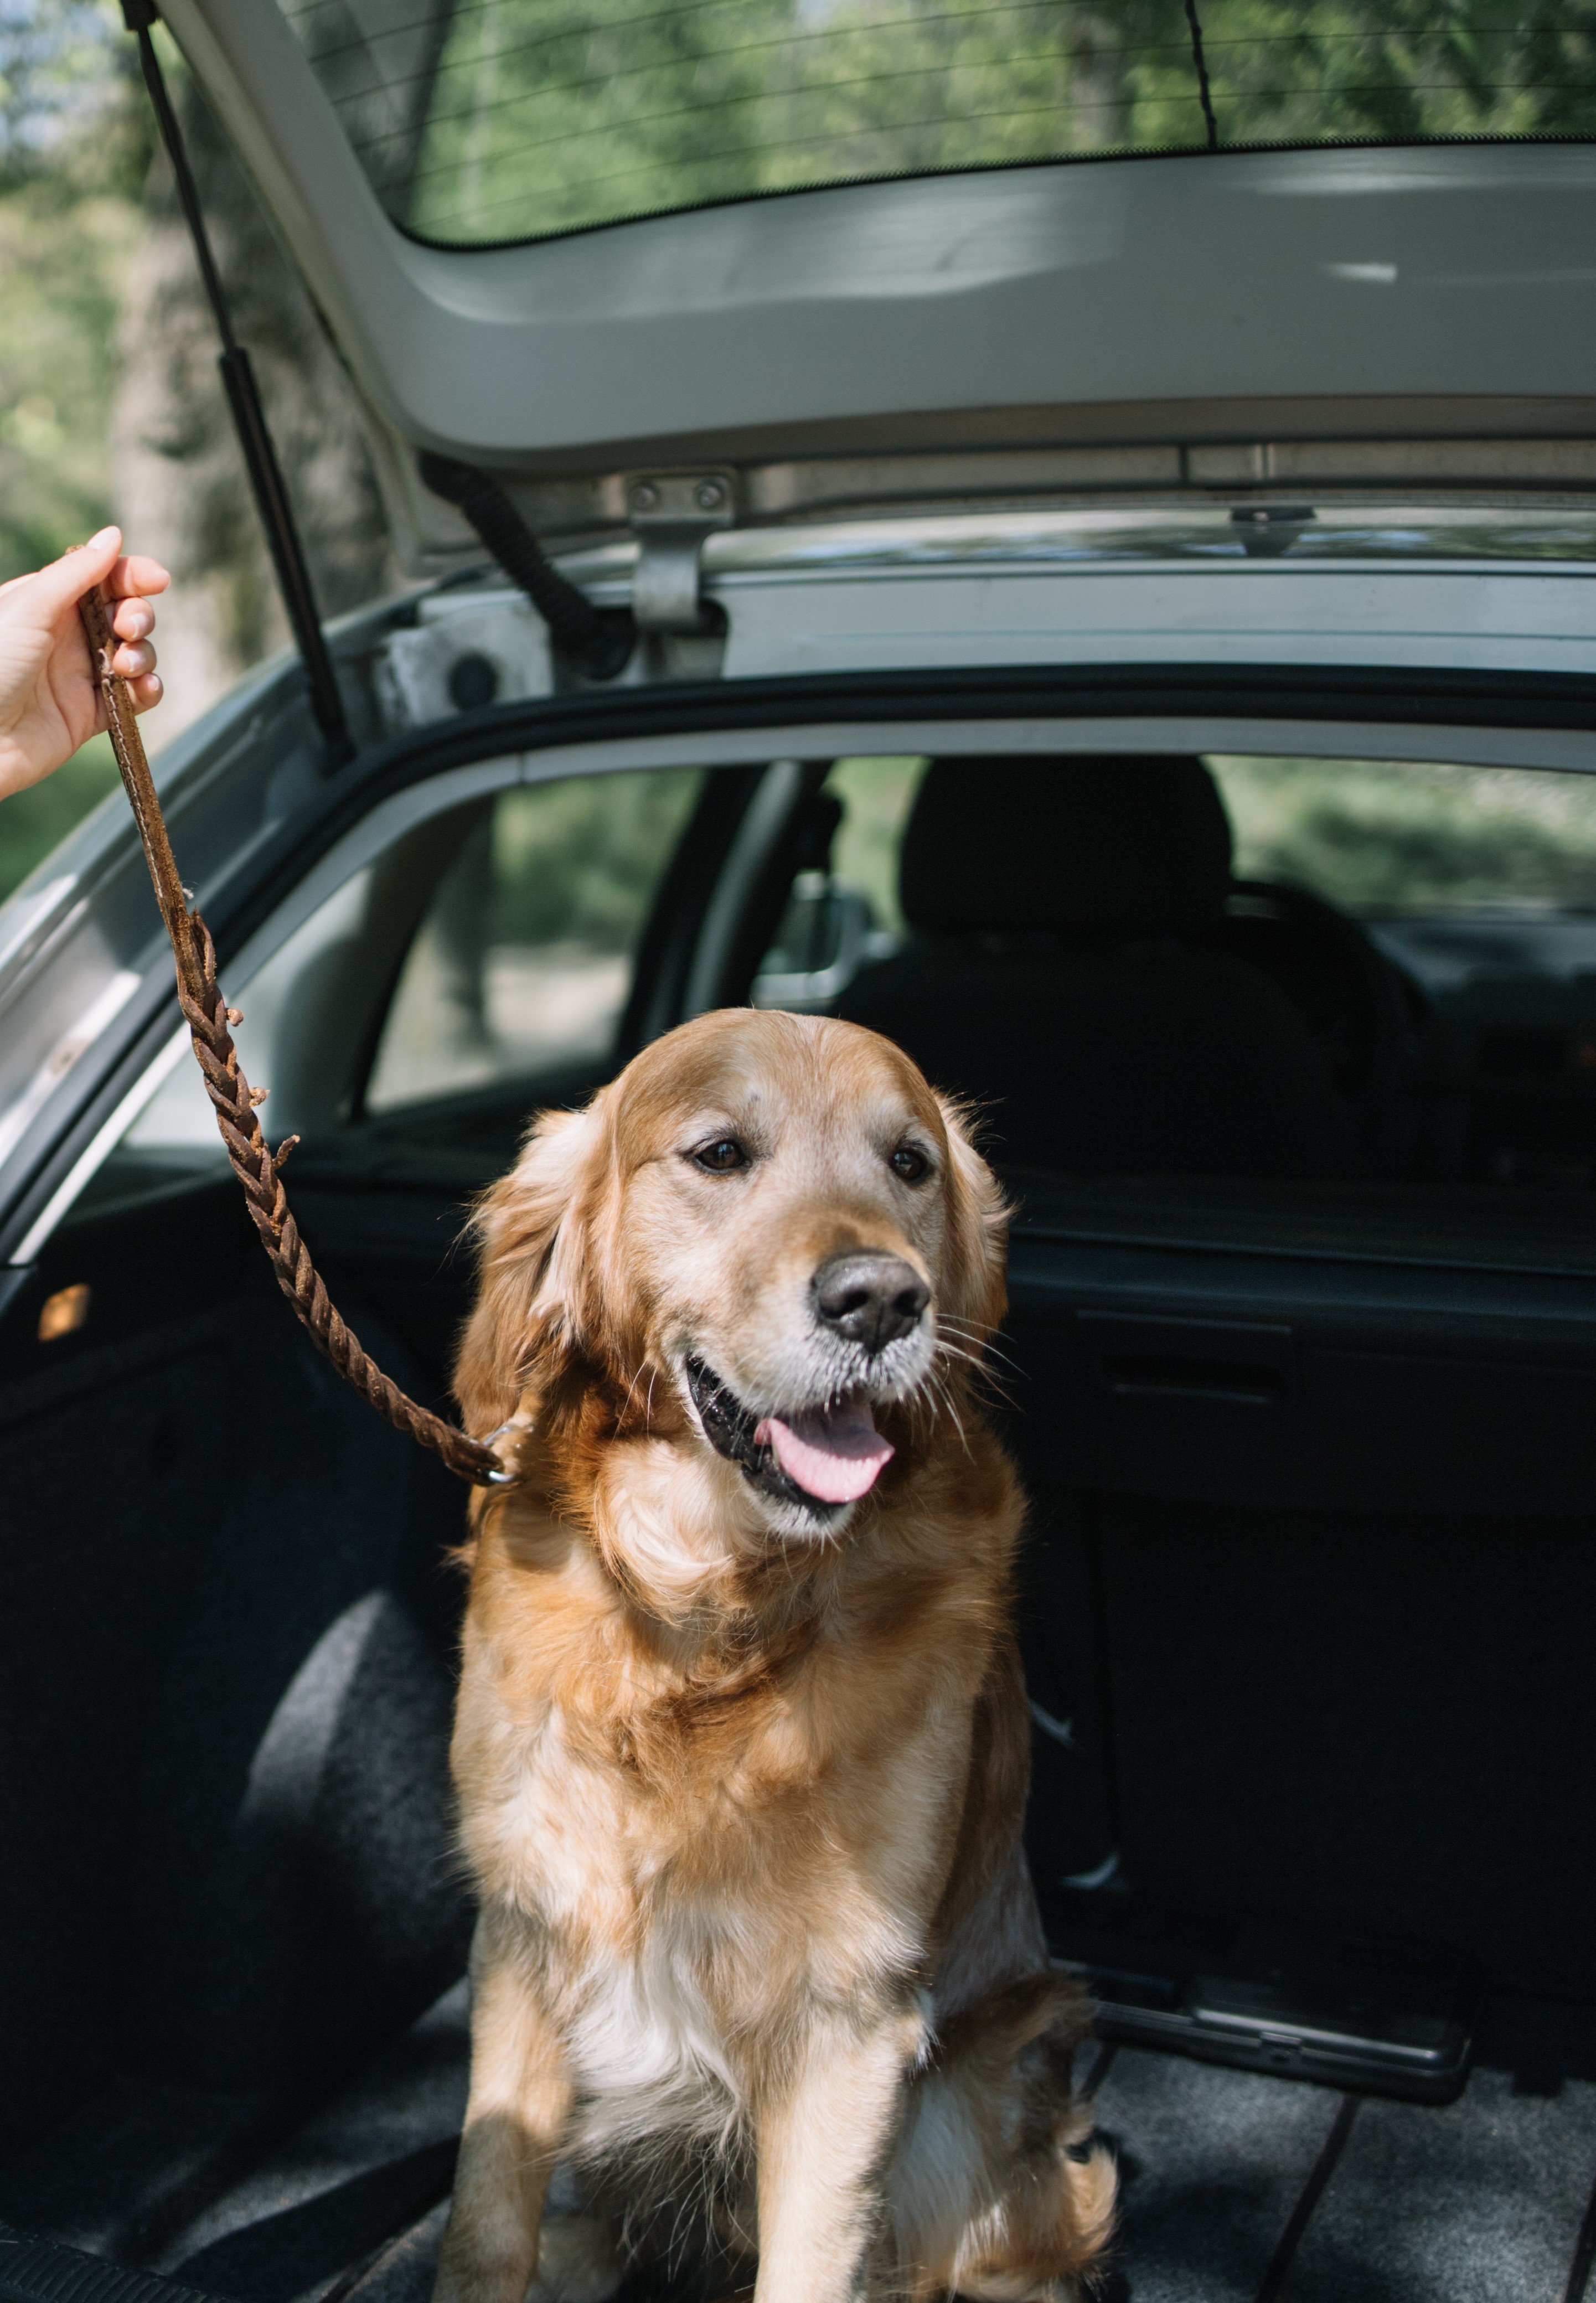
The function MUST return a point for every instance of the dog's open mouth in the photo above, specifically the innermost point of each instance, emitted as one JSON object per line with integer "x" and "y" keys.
{"x": 825, "y": 1458}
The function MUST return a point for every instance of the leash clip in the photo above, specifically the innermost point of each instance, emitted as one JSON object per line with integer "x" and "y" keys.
{"x": 514, "y": 1423}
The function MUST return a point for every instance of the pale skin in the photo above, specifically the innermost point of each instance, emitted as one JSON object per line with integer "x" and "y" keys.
{"x": 48, "y": 702}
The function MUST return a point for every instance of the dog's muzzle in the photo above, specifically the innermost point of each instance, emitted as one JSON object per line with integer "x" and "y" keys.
{"x": 752, "y": 1442}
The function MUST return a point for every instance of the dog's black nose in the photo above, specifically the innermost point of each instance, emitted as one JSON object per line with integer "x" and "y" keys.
{"x": 870, "y": 1299}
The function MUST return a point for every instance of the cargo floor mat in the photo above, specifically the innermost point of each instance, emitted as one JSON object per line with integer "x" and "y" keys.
{"x": 1238, "y": 2189}
{"x": 375, "y": 2157}
{"x": 1470, "y": 2204}
{"x": 1212, "y": 2163}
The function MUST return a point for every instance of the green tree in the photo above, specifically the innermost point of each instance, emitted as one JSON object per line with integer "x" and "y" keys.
{"x": 1400, "y": 68}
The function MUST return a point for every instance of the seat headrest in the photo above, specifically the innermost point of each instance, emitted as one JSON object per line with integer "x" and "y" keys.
{"x": 1065, "y": 841}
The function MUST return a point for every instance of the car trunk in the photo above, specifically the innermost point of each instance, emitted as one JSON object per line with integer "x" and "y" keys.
{"x": 1307, "y": 1643}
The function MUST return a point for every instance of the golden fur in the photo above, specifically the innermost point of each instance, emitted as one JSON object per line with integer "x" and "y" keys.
{"x": 759, "y": 1968}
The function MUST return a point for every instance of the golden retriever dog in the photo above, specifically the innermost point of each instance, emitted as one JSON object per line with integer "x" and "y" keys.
{"x": 741, "y": 1747}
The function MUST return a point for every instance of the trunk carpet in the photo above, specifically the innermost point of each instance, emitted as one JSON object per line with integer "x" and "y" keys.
{"x": 1235, "y": 2189}
{"x": 369, "y": 2163}
{"x": 1211, "y": 2162}
{"x": 1470, "y": 2204}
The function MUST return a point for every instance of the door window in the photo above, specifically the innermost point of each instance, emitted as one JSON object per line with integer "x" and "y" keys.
{"x": 493, "y": 943}
{"x": 523, "y": 963}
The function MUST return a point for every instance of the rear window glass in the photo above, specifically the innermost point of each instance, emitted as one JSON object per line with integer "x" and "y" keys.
{"x": 1399, "y": 987}
{"x": 1372, "y": 837}
{"x": 523, "y": 960}
{"x": 1379, "y": 837}
{"x": 506, "y": 120}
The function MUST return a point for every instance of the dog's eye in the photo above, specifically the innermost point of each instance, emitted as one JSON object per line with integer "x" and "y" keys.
{"x": 720, "y": 1157}
{"x": 913, "y": 1166}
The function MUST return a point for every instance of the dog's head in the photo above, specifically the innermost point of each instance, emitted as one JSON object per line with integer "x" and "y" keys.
{"x": 765, "y": 1233}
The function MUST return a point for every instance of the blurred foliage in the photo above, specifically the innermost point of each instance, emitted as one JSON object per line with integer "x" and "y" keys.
{"x": 74, "y": 150}
{"x": 34, "y": 821}
{"x": 69, "y": 96}
{"x": 62, "y": 251}
{"x": 579, "y": 862}
{"x": 1401, "y": 836}
{"x": 1282, "y": 73}
{"x": 876, "y": 796}
{"x": 104, "y": 336}
{"x": 528, "y": 117}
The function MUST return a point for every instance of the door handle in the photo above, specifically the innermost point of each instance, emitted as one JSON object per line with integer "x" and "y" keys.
{"x": 1235, "y": 1363}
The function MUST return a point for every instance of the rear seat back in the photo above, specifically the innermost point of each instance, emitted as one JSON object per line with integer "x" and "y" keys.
{"x": 1051, "y": 975}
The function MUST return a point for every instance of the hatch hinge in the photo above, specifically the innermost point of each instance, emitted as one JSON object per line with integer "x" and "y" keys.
{"x": 672, "y": 514}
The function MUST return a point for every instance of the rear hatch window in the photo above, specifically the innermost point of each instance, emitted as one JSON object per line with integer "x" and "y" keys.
{"x": 500, "y": 121}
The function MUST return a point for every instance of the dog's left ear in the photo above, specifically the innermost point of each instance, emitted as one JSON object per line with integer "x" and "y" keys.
{"x": 535, "y": 1275}
{"x": 974, "y": 1287}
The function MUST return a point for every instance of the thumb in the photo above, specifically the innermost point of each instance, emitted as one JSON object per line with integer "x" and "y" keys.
{"x": 62, "y": 584}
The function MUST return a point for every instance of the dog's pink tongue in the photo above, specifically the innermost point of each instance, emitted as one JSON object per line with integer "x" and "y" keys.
{"x": 834, "y": 1454}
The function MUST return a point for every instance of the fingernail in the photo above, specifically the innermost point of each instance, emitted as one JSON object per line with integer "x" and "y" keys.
{"x": 104, "y": 536}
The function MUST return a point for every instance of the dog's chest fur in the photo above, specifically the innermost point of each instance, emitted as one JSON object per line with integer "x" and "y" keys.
{"x": 708, "y": 1850}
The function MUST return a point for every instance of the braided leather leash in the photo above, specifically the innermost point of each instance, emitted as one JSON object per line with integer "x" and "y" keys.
{"x": 255, "y": 1164}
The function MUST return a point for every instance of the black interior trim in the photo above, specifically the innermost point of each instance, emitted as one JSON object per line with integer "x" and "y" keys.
{"x": 665, "y": 948}
{"x": 42, "y": 2271}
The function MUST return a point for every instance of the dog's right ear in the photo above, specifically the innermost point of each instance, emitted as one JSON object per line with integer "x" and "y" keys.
{"x": 534, "y": 1274}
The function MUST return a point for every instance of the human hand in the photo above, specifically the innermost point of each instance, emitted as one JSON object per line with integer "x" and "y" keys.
{"x": 49, "y": 704}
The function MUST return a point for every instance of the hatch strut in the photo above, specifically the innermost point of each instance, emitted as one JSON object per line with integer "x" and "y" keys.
{"x": 243, "y": 398}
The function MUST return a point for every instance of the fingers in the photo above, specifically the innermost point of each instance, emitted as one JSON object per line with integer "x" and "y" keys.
{"x": 65, "y": 580}
{"x": 133, "y": 661}
{"x": 137, "y": 575}
{"x": 132, "y": 620}
{"x": 62, "y": 584}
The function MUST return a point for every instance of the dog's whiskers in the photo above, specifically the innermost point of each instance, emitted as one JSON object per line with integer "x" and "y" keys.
{"x": 934, "y": 1389}
{"x": 987, "y": 1384}
{"x": 967, "y": 1333}
{"x": 978, "y": 1363}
